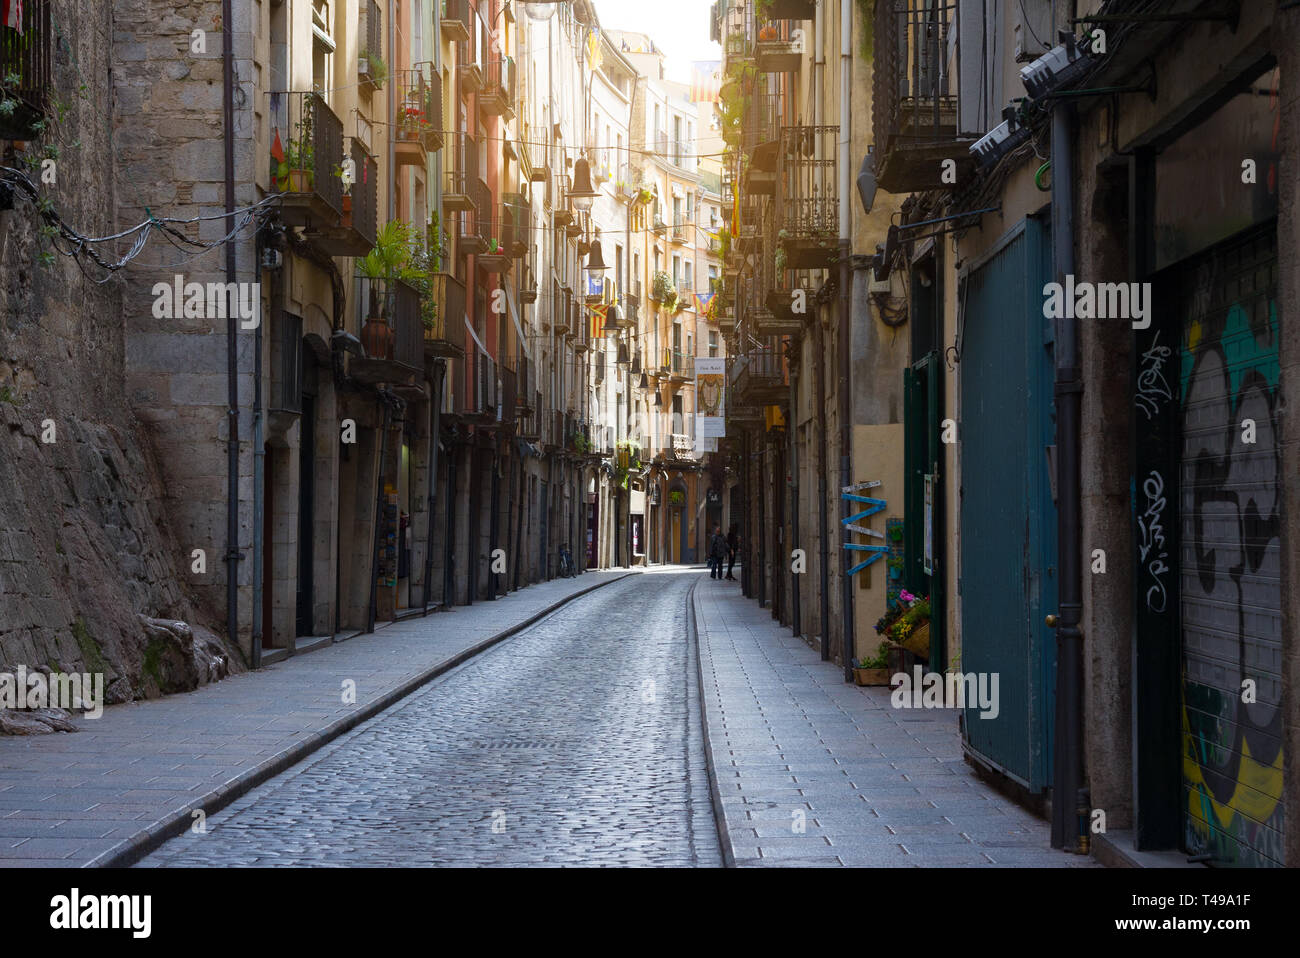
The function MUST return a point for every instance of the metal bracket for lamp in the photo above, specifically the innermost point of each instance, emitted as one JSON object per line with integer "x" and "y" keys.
{"x": 1149, "y": 88}
{"x": 893, "y": 239}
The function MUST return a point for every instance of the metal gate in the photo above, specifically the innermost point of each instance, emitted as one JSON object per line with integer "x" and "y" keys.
{"x": 1008, "y": 580}
{"x": 1230, "y": 508}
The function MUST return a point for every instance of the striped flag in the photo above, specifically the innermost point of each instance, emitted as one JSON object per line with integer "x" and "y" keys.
{"x": 598, "y": 315}
{"x": 706, "y": 81}
{"x": 13, "y": 14}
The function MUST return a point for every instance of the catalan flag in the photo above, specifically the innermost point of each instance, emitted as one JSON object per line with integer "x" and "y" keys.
{"x": 702, "y": 301}
{"x": 598, "y": 316}
{"x": 706, "y": 81}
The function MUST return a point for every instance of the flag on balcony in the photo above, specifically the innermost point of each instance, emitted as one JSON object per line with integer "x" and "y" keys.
{"x": 594, "y": 56}
{"x": 706, "y": 81}
{"x": 702, "y": 301}
{"x": 13, "y": 14}
{"x": 598, "y": 316}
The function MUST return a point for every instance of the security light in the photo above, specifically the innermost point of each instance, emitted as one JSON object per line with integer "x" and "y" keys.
{"x": 1057, "y": 67}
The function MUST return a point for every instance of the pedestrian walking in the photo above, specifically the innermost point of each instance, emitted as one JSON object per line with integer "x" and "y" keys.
{"x": 717, "y": 553}
{"x": 733, "y": 546}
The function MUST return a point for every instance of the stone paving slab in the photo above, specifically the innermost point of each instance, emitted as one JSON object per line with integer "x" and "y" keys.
{"x": 127, "y": 781}
{"x": 809, "y": 771}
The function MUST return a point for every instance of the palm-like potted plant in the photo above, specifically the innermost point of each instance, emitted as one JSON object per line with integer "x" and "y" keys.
{"x": 390, "y": 260}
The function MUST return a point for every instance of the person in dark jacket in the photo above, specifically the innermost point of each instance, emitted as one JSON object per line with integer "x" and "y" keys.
{"x": 733, "y": 546}
{"x": 717, "y": 553}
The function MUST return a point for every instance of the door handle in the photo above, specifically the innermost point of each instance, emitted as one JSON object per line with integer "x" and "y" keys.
{"x": 1052, "y": 620}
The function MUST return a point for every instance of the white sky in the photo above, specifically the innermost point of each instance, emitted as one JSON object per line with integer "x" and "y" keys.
{"x": 680, "y": 28}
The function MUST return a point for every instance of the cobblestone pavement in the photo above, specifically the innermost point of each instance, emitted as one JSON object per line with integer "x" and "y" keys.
{"x": 576, "y": 742}
{"x": 111, "y": 789}
{"x": 814, "y": 771}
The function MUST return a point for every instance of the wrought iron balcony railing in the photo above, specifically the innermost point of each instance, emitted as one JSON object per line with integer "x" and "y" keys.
{"x": 497, "y": 96}
{"x": 25, "y": 63}
{"x": 419, "y": 107}
{"x": 444, "y": 322}
{"x": 807, "y": 202}
{"x": 392, "y": 333}
{"x": 456, "y": 20}
{"x": 914, "y": 97}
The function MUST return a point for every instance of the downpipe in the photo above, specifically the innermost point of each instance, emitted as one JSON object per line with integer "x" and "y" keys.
{"x": 845, "y": 332}
{"x": 435, "y": 430}
{"x": 379, "y": 516}
{"x": 233, "y": 555}
{"x": 1068, "y": 798}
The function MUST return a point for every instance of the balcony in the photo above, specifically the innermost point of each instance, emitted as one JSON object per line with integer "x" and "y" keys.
{"x": 792, "y": 10}
{"x": 680, "y": 228}
{"x": 444, "y": 324}
{"x": 776, "y": 50}
{"x": 497, "y": 97}
{"x": 456, "y": 19}
{"x": 28, "y": 57}
{"x": 370, "y": 71}
{"x": 562, "y": 207}
{"x": 761, "y": 135}
{"x": 505, "y": 234}
{"x": 474, "y": 235}
{"x": 419, "y": 115}
{"x": 807, "y": 208}
{"x": 914, "y": 104}
{"x": 482, "y": 407}
{"x": 307, "y": 170}
{"x": 508, "y": 400}
{"x": 757, "y": 376}
{"x": 392, "y": 334}
{"x": 456, "y": 194}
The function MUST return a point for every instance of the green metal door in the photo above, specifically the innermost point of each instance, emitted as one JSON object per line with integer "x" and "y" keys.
{"x": 1007, "y": 578}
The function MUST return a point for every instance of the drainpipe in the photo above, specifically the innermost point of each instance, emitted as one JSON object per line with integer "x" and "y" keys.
{"x": 494, "y": 522}
{"x": 435, "y": 430}
{"x": 259, "y": 455}
{"x": 1068, "y": 799}
{"x": 819, "y": 370}
{"x": 449, "y": 540}
{"x": 379, "y": 517}
{"x": 233, "y": 555}
{"x": 795, "y": 625}
{"x": 845, "y": 333}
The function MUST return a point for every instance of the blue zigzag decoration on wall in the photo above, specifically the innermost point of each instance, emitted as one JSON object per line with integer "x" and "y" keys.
{"x": 876, "y": 505}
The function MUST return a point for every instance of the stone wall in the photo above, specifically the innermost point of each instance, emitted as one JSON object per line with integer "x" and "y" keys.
{"x": 83, "y": 553}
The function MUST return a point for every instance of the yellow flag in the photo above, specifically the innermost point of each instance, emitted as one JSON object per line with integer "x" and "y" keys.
{"x": 594, "y": 57}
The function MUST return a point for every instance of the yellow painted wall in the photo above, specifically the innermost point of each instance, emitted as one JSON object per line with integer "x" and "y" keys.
{"x": 877, "y": 454}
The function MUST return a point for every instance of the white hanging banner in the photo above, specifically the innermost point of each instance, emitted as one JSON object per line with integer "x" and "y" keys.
{"x": 514, "y": 314}
{"x": 710, "y": 408}
{"x": 477, "y": 342}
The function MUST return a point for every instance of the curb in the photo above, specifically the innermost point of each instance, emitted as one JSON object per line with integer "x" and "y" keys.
{"x": 715, "y": 791}
{"x": 131, "y": 850}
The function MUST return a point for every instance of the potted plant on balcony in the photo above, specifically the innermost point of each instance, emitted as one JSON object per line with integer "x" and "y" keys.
{"x": 296, "y": 162}
{"x": 390, "y": 260}
{"x": 372, "y": 69}
{"x": 662, "y": 290}
{"x": 412, "y": 120}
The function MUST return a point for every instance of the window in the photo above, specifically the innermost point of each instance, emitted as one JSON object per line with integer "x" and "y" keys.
{"x": 713, "y": 344}
{"x": 688, "y": 285}
{"x": 677, "y": 271}
{"x": 322, "y": 46}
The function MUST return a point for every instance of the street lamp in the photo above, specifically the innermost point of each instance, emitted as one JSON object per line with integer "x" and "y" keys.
{"x": 582, "y": 195}
{"x": 541, "y": 10}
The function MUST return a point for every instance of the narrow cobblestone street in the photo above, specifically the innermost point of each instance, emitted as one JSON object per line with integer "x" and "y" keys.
{"x": 576, "y": 742}
{"x": 579, "y": 741}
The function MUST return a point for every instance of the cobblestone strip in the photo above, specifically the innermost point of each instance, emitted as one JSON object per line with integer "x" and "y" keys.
{"x": 808, "y": 770}
{"x": 578, "y": 742}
